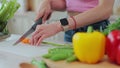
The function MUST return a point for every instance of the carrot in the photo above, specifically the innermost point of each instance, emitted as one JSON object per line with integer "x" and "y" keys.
{"x": 26, "y": 41}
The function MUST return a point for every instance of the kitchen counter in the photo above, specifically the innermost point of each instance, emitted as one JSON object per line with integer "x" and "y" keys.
{"x": 10, "y": 60}
{"x": 11, "y": 56}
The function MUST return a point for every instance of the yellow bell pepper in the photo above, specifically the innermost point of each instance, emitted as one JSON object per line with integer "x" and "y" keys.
{"x": 89, "y": 47}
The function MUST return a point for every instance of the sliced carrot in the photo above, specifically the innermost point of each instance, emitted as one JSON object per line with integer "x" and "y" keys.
{"x": 26, "y": 41}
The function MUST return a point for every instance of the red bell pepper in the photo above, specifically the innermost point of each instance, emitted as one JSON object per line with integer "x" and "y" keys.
{"x": 113, "y": 46}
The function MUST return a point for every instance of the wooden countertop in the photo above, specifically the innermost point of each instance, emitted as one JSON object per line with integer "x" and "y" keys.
{"x": 105, "y": 63}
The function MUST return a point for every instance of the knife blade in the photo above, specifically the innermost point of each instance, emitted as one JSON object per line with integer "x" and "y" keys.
{"x": 31, "y": 30}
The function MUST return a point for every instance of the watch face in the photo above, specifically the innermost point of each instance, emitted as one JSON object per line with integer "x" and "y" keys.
{"x": 64, "y": 22}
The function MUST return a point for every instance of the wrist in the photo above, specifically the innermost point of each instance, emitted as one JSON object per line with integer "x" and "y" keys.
{"x": 68, "y": 24}
{"x": 74, "y": 22}
{"x": 59, "y": 26}
{"x": 64, "y": 24}
{"x": 71, "y": 24}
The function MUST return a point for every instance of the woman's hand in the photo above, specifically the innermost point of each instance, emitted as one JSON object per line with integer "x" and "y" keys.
{"x": 45, "y": 31}
{"x": 44, "y": 11}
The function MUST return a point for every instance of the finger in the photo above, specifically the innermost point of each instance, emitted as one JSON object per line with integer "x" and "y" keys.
{"x": 32, "y": 39}
{"x": 36, "y": 38}
{"x": 50, "y": 12}
{"x": 49, "y": 16}
{"x": 37, "y": 31}
{"x": 39, "y": 15}
{"x": 46, "y": 15}
{"x": 40, "y": 40}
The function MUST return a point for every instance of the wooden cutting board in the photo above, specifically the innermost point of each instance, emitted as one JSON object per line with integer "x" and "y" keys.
{"x": 62, "y": 64}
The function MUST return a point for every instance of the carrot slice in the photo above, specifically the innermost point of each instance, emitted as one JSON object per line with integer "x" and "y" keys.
{"x": 26, "y": 41}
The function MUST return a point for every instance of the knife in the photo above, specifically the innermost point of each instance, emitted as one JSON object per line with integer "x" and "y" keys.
{"x": 31, "y": 30}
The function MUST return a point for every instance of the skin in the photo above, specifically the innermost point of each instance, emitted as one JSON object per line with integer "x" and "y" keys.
{"x": 101, "y": 12}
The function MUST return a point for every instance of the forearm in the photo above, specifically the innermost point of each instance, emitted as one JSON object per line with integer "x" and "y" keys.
{"x": 100, "y": 12}
{"x": 59, "y": 5}
{"x": 95, "y": 15}
{"x": 89, "y": 17}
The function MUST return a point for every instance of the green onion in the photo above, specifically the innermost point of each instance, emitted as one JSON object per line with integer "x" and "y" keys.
{"x": 8, "y": 9}
{"x": 55, "y": 44}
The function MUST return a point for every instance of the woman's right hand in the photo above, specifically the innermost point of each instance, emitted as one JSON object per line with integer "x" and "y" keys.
{"x": 44, "y": 11}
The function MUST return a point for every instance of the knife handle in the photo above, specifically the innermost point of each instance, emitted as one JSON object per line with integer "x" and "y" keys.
{"x": 38, "y": 22}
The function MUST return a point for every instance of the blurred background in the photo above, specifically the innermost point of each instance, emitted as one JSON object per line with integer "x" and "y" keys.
{"x": 26, "y": 14}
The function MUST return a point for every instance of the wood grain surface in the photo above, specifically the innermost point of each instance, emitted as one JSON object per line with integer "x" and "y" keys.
{"x": 105, "y": 63}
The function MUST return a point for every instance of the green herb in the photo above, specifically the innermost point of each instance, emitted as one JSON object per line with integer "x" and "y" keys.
{"x": 8, "y": 9}
{"x": 115, "y": 25}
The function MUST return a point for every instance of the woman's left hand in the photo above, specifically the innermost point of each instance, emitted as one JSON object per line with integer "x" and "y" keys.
{"x": 45, "y": 31}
